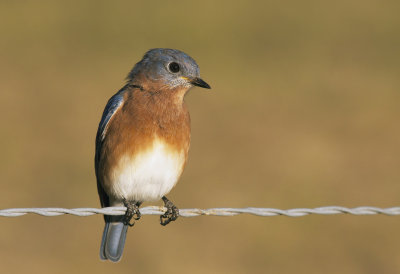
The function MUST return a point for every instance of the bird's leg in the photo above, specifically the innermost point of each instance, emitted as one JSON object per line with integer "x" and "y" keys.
{"x": 132, "y": 211}
{"x": 171, "y": 214}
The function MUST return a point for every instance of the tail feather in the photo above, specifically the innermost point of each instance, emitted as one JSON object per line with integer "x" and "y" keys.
{"x": 112, "y": 244}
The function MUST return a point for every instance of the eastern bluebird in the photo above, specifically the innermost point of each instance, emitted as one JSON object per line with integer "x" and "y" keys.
{"x": 143, "y": 140}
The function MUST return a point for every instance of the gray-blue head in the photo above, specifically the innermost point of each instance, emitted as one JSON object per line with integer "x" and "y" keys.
{"x": 167, "y": 68}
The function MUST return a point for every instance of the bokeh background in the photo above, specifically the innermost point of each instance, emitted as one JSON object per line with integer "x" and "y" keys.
{"x": 304, "y": 112}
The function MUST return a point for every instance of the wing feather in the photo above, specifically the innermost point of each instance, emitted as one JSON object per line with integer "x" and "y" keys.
{"x": 113, "y": 105}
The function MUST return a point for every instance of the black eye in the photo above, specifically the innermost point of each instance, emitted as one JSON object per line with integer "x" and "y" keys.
{"x": 174, "y": 67}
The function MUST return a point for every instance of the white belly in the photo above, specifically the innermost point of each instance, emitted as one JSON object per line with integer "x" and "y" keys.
{"x": 149, "y": 175}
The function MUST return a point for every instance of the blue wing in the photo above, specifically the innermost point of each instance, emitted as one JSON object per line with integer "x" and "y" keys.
{"x": 111, "y": 108}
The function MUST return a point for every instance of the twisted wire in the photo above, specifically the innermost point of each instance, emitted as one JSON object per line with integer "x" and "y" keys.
{"x": 193, "y": 212}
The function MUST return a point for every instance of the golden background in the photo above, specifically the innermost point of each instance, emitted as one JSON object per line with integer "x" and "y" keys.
{"x": 303, "y": 112}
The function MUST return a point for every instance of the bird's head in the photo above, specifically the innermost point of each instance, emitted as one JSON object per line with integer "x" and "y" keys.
{"x": 166, "y": 69}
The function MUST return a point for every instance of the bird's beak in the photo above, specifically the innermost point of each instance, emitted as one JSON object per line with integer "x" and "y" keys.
{"x": 199, "y": 82}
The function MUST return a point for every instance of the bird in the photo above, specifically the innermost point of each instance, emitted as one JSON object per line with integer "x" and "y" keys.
{"x": 143, "y": 140}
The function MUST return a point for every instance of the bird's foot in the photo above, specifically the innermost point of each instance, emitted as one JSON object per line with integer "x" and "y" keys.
{"x": 171, "y": 214}
{"x": 132, "y": 211}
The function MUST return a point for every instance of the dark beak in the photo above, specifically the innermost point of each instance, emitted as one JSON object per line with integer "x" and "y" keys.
{"x": 200, "y": 83}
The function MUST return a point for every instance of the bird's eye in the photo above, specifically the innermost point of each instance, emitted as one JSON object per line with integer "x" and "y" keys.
{"x": 174, "y": 67}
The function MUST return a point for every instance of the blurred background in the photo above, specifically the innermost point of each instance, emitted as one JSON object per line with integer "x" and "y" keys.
{"x": 303, "y": 112}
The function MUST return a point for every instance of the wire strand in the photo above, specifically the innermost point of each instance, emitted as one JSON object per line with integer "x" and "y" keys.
{"x": 193, "y": 212}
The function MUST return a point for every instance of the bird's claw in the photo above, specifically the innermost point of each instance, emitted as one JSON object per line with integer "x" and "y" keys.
{"x": 171, "y": 214}
{"x": 132, "y": 211}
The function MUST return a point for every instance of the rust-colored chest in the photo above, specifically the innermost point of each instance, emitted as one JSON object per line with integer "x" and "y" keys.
{"x": 143, "y": 119}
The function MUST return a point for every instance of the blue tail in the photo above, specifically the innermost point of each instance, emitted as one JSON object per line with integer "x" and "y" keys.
{"x": 112, "y": 244}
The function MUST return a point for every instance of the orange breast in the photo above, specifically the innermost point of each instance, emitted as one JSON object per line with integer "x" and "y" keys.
{"x": 145, "y": 135}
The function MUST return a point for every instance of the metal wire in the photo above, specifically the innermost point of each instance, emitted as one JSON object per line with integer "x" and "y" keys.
{"x": 193, "y": 212}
